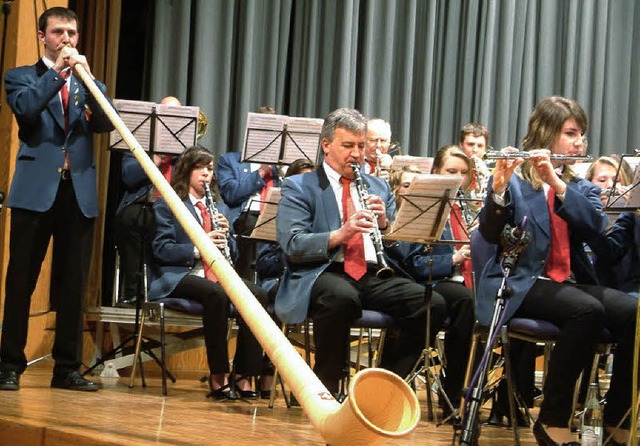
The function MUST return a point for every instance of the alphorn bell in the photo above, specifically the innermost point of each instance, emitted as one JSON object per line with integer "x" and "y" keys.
{"x": 380, "y": 405}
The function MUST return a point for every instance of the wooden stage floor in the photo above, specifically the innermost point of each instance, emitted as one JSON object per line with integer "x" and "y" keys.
{"x": 117, "y": 415}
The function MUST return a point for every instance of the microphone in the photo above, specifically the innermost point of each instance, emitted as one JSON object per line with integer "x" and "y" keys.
{"x": 514, "y": 240}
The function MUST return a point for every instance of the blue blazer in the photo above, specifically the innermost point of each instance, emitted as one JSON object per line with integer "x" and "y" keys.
{"x": 618, "y": 254}
{"x": 173, "y": 249}
{"x": 237, "y": 183}
{"x": 136, "y": 181}
{"x": 582, "y": 209}
{"x": 414, "y": 261}
{"x": 307, "y": 213}
{"x": 32, "y": 94}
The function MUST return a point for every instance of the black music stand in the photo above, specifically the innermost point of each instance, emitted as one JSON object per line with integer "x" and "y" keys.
{"x": 159, "y": 128}
{"x": 280, "y": 139}
{"x": 421, "y": 219}
{"x": 155, "y": 125}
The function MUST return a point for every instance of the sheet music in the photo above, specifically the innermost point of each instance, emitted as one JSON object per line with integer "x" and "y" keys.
{"x": 265, "y": 228}
{"x": 264, "y": 143}
{"x": 580, "y": 168}
{"x": 176, "y": 128}
{"x": 632, "y": 161}
{"x": 423, "y": 163}
{"x": 135, "y": 115}
{"x": 303, "y": 139}
{"x": 425, "y": 208}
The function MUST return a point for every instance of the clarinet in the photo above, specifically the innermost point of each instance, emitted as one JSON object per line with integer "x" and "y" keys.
{"x": 384, "y": 271}
{"x": 213, "y": 211}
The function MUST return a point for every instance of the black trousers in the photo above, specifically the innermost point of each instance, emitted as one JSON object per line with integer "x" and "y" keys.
{"x": 133, "y": 232}
{"x": 31, "y": 232}
{"x": 581, "y": 312}
{"x": 337, "y": 300}
{"x": 457, "y": 341}
{"x": 248, "y": 357}
{"x": 246, "y": 247}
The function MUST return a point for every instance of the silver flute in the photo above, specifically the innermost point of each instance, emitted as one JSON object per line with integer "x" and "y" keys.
{"x": 527, "y": 155}
{"x": 384, "y": 271}
{"x": 213, "y": 211}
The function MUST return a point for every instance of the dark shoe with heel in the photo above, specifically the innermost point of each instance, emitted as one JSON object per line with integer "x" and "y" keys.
{"x": 73, "y": 381}
{"x": 543, "y": 438}
{"x": 248, "y": 394}
{"x": 9, "y": 380}
{"x": 221, "y": 393}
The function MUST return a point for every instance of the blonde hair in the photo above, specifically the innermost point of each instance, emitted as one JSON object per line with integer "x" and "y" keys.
{"x": 623, "y": 179}
{"x": 395, "y": 178}
{"x": 448, "y": 151}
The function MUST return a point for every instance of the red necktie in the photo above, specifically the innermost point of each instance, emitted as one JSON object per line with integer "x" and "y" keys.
{"x": 64, "y": 97}
{"x": 355, "y": 263}
{"x": 373, "y": 165}
{"x": 268, "y": 184}
{"x": 558, "y": 266}
{"x": 459, "y": 232}
{"x": 165, "y": 170}
{"x": 207, "y": 226}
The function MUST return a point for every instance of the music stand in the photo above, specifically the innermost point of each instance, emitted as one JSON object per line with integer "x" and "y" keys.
{"x": 280, "y": 139}
{"x": 630, "y": 199}
{"x": 159, "y": 128}
{"x": 421, "y": 218}
{"x": 265, "y": 228}
{"x": 173, "y": 129}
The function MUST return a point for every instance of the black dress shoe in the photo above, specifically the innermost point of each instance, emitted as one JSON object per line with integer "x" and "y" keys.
{"x": 9, "y": 380}
{"x": 73, "y": 381}
{"x": 248, "y": 394}
{"x": 543, "y": 438}
{"x": 221, "y": 394}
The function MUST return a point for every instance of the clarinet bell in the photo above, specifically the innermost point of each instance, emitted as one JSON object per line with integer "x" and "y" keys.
{"x": 385, "y": 273}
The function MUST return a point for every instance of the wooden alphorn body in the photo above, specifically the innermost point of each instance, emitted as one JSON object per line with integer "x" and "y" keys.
{"x": 380, "y": 405}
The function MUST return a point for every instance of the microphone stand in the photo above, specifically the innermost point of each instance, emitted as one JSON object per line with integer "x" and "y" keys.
{"x": 514, "y": 242}
{"x": 6, "y": 10}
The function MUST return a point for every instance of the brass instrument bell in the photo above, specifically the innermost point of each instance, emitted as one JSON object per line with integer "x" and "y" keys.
{"x": 203, "y": 124}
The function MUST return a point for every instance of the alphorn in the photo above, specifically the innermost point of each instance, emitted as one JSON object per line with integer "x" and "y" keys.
{"x": 380, "y": 405}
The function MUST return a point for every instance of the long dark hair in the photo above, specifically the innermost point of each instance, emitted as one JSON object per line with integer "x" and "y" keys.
{"x": 192, "y": 158}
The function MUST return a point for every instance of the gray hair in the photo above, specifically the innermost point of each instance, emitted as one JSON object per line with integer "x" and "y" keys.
{"x": 344, "y": 118}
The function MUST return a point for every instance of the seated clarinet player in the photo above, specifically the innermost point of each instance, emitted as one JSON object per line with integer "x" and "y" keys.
{"x": 177, "y": 271}
{"x": 326, "y": 235}
{"x": 446, "y": 267}
{"x": 553, "y": 279}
